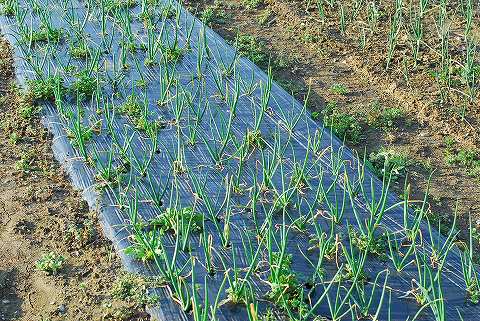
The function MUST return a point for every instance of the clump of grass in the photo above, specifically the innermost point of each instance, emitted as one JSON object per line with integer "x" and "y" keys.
{"x": 339, "y": 89}
{"x": 250, "y": 47}
{"x": 171, "y": 218}
{"x": 132, "y": 288}
{"x": 384, "y": 118}
{"x": 44, "y": 89}
{"x": 44, "y": 34}
{"x": 214, "y": 15}
{"x": 467, "y": 158}
{"x": 388, "y": 162}
{"x": 343, "y": 125}
{"x": 26, "y": 164}
{"x": 50, "y": 263}
{"x": 85, "y": 84}
{"x": 252, "y": 4}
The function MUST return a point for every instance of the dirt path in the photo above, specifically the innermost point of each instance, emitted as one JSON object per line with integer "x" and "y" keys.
{"x": 40, "y": 213}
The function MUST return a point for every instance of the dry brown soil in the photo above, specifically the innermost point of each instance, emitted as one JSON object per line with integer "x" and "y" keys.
{"x": 39, "y": 213}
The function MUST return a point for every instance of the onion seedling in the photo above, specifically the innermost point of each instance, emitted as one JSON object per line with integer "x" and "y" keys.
{"x": 291, "y": 118}
{"x": 224, "y": 129}
{"x": 142, "y": 163}
{"x": 146, "y": 246}
{"x": 364, "y": 301}
{"x": 470, "y": 274}
{"x": 200, "y": 192}
{"x": 376, "y": 205}
{"x": 335, "y": 209}
{"x": 80, "y": 134}
{"x": 265, "y": 100}
{"x": 355, "y": 259}
{"x": 156, "y": 192}
{"x": 399, "y": 259}
{"x": 440, "y": 247}
{"x": 195, "y": 117}
{"x": 395, "y": 27}
{"x": 178, "y": 287}
{"x": 166, "y": 80}
{"x": 154, "y": 41}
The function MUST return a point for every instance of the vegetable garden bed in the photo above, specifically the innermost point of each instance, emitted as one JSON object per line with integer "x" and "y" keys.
{"x": 217, "y": 183}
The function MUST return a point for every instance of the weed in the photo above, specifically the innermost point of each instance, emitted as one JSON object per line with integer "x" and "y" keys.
{"x": 28, "y": 111}
{"x": 250, "y": 47}
{"x": 44, "y": 89}
{"x": 389, "y": 162}
{"x": 133, "y": 289}
{"x": 265, "y": 17}
{"x": 26, "y": 162}
{"x": 468, "y": 158}
{"x": 50, "y": 263}
{"x": 13, "y": 138}
{"x": 384, "y": 118}
{"x": 81, "y": 233}
{"x": 377, "y": 246}
{"x": 214, "y": 15}
{"x": 343, "y": 125}
{"x": 285, "y": 288}
{"x": 172, "y": 218}
{"x": 339, "y": 89}
{"x": 79, "y": 50}
{"x": 44, "y": 34}
{"x": 8, "y": 7}
{"x": 145, "y": 246}
{"x": 136, "y": 111}
{"x": 252, "y": 4}
{"x": 84, "y": 85}
{"x": 80, "y": 135}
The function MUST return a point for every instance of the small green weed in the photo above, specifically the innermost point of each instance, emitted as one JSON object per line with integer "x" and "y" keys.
{"x": 388, "y": 161}
{"x": 384, "y": 118}
{"x": 285, "y": 288}
{"x": 252, "y": 4}
{"x": 343, "y": 125}
{"x": 44, "y": 34}
{"x": 168, "y": 220}
{"x": 26, "y": 164}
{"x": 378, "y": 246}
{"x": 468, "y": 158}
{"x": 8, "y": 7}
{"x": 339, "y": 89}
{"x": 84, "y": 85}
{"x": 44, "y": 89}
{"x": 250, "y": 47}
{"x": 214, "y": 15}
{"x": 144, "y": 247}
{"x": 28, "y": 111}
{"x": 80, "y": 233}
{"x": 50, "y": 263}
{"x": 132, "y": 288}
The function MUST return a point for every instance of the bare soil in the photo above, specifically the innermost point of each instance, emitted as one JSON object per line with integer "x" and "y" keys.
{"x": 41, "y": 213}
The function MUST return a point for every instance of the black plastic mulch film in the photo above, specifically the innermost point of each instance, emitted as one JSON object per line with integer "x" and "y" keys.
{"x": 156, "y": 163}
